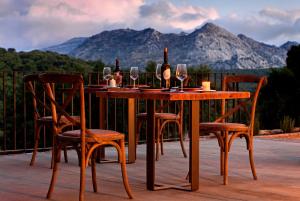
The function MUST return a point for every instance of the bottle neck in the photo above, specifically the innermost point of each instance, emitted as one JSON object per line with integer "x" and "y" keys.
{"x": 117, "y": 65}
{"x": 165, "y": 55}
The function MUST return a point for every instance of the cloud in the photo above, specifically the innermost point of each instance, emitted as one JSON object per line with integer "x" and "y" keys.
{"x": 270, "y": 25}
{"x": 280, "y": 16}
{"x": 29, "y": 24}
{"x": 168, "y": 16}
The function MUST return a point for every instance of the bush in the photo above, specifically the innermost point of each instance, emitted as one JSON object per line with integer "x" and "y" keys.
{"x": 287, "y": 124}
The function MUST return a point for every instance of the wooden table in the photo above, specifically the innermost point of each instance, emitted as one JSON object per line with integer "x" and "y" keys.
{"x": 194, "y": 97}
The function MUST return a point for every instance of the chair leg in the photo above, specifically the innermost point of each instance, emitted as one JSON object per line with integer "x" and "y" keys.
{"x": 221, "y": 162}
{"x": 94, "y": 177}
{"x": 181, "y": 141}
{"x": 65, "y": 155}
{"x": 161, "y": 137}
{"x": 36, "y": 143}
{"x": 252, "y": 163}
{"x": 225, "y": 176}
{"x": 157, "y": 139}
{"x": 137, "y": 130}
{"x": 56, "y": 151}
{"x": 161, "y": 143}
{"x": 123, "y": 168}
{"x": 82, "y": 175}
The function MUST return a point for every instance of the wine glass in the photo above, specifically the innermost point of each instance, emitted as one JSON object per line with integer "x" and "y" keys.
{"x": 107, "y": 74}
{"x": 181, "y": 74}
{"x": 134, "y": 74}
{"x": 158, "y": 71}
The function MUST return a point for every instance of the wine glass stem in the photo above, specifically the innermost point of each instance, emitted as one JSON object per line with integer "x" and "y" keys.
{"x": 181, "y": 86}
{"x": 107, "y": 82}
{"x": 133, "y": 83}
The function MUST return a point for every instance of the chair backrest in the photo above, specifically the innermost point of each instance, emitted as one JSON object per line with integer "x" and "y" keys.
{"x": 38, "y": 103}
{"x": 234, "y": 82}
{"x": 58, "y": 109}
{"x": 178, "y": 105}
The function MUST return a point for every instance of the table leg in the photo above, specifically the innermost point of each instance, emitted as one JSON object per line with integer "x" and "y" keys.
{"x": 194, "y": 144}
{"x": 131, "y": 131}
{"x": 150, "y": 172}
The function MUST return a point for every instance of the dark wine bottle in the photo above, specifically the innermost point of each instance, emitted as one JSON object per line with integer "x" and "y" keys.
{"x": 165, "y": 71}
{"x": 118, "y": 74}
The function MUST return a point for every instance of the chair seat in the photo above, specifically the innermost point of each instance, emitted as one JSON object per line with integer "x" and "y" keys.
{"x": 106, "y": 135}
{"x": 169, "y": 116}
{"x": 48, "y": 119}
{"x": 141, "y": 115}
{"x": 215, "y": 126}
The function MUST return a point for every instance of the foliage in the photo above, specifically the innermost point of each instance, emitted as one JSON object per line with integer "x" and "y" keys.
{"x": 287, "y": 124}
{"x": 196, "y": 74}
{"x": 150, "y": 67}
{"x": 293, "y": 59}
{"x": 97, "y": 65}
{"x": 200, "y": 69}
{"x": 43, "y": 61}
{"x": 281, "y": 96}
{"x": 13, "y": 65}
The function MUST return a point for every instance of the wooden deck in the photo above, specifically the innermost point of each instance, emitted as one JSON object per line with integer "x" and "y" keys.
{"x": 277, "y": 165}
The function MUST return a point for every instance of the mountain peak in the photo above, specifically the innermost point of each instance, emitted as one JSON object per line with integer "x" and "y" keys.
{"x": 149, "y": 29}
{"x": 289, "y": 44}
{"x": 210, "y": 27}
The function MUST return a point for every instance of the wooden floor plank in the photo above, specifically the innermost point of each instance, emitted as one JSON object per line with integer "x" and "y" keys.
{"x": 277, "y": 165}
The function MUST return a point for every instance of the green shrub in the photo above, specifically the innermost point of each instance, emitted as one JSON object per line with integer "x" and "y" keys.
{"x": 287, "y": 124}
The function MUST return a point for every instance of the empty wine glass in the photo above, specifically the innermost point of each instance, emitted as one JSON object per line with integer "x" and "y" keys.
{"x": 107, "y": 74}
{"x": 181, "y": 74}
{"x": 134, "y": 74}
{"x": 158, "y": 71}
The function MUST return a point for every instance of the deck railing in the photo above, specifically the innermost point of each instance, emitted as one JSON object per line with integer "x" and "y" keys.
{"x": 16, "y": 115}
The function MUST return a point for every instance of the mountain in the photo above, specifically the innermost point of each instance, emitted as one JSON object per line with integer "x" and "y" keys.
{"x": 210, "y": 45}
{"x": 289, "y": 44}
{"x": 270, "y": 54}
{"x": 66, "y": 47}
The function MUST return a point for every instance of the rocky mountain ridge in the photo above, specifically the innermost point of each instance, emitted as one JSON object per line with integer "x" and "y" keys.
{"x": 211, "y": 45}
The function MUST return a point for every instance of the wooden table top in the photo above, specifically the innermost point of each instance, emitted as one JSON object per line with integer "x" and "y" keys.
{"x": 173, "y": 95}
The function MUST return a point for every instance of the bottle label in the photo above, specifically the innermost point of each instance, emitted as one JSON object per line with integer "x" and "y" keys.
{"x": 167, "y": 74}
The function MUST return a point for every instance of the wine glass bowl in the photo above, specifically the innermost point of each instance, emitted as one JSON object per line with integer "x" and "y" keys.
{"x": 181, "y": 74}
{"x": 134, "y": 74}
{"x": 107, "y": 74}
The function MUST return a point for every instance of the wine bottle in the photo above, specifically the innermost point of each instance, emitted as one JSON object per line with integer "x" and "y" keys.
{"x": 165, "y": 71}
{"x": 118, "y": 75}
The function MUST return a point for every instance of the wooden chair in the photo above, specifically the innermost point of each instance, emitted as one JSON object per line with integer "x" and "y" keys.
{"x": 87, "y": 140}
{"x": 39, "y": 109}
{"x": 162, "y": 119}
{"x": 226, "y": 131}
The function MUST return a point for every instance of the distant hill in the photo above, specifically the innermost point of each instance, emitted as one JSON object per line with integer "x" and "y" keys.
{"x": 210, "y": 45}
{"x": 67, "y": 46}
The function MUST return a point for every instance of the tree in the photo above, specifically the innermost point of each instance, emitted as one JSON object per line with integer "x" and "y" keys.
{"x": 293, "y": 59}
{"x": 97, "y": 65}
{"x": 151, "y": 67}
{"x": 281, "y": 96}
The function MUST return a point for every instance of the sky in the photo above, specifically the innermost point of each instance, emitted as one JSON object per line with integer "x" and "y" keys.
{"x": 33, "y": 24}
